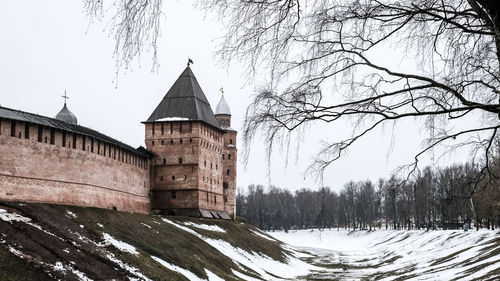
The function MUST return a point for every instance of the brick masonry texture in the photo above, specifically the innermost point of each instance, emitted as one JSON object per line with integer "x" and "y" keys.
{"x": 193, "y": 167}
{"x": 52, "y": 173}
{"x": 189, "y": 166}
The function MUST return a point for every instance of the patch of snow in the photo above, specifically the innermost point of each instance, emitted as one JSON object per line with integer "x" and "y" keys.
{"x": 66, "y": 250}
{"x": 212, "y": 276}
{"x": 146, "y": 225}
{"x": 16, "y": 252}
{"x": 263, "y": 235}
{"x": 60, "y": 267}
{"x": 10, "y": 217}
{"x": 189, "y": 230}
{"x": 71, "y": 214}
{"x": 81, "y": 226}
{"x": 244, "y": 276}
{"x": 80, "y": 275}
{"x": 100, "y": 225}
{"x": 188, "y": 274}
{"x": 122, "y": 246}
{"x": 205, "y": 227}
{"x": 172, "y": 119}
{"x": 84, "y": 239}
{"x": 263, "y": 265}
{"x": 130, "y": 269}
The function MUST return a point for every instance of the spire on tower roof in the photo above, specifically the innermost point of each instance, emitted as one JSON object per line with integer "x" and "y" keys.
{"x": 222, "y": 107}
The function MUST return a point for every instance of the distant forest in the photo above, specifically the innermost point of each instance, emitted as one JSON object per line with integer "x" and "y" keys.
{"x": 434, "y": 198}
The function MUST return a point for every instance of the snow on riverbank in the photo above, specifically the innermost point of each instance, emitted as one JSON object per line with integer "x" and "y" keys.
{"x": 265, "y": 266}
{"x": 415, "y": 254}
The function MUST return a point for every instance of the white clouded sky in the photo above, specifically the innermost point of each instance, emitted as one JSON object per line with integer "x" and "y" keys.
{"x": 48, "y": 47}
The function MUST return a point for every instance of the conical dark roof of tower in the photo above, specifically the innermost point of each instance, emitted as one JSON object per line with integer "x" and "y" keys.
{"x": 184, "y": 101}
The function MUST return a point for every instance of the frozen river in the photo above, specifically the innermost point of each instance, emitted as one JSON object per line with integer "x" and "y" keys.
{"x": 397, "y": 254}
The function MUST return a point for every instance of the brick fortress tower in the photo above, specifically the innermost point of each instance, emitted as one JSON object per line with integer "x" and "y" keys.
{"x": 223, "y": 116}
{"x": 194, "y": 164}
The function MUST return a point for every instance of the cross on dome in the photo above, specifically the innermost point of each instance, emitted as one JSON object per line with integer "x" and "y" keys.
{"x": 65, "y": 97}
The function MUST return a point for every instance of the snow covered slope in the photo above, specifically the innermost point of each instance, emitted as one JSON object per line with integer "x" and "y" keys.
{"x": 399, "y": 255}
{"x": 51, "y": 242}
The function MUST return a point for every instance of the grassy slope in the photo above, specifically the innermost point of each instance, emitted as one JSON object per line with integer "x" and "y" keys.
{"x": 72, "y": 241}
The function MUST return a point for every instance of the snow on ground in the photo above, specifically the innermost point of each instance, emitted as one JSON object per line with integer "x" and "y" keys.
{"x": 263, "y": 235}
{"x": 81, "y": 276}
{"x": 188, "y": 274}
{"x": 416, "y": 254}
{"x": 71, "y": 214}
{"x": 212, "y": 276}
{"x": 265, "y": 266}
{"x": 130, "y": 269}
{"x": 11, "y": 217}
{"x": 122, "y": 246}
{"x": 205, "y": 226}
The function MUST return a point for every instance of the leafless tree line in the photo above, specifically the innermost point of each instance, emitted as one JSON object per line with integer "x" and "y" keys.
{"x": 433, "y": 199}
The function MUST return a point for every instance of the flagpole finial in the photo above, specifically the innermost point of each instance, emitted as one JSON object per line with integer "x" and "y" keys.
{"x": 190, "y": 61}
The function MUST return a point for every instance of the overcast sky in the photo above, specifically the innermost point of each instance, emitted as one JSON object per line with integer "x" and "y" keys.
{"x": 49, "y": 47}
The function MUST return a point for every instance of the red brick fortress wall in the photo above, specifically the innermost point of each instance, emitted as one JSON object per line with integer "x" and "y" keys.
{"x": 37, "y": 166}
